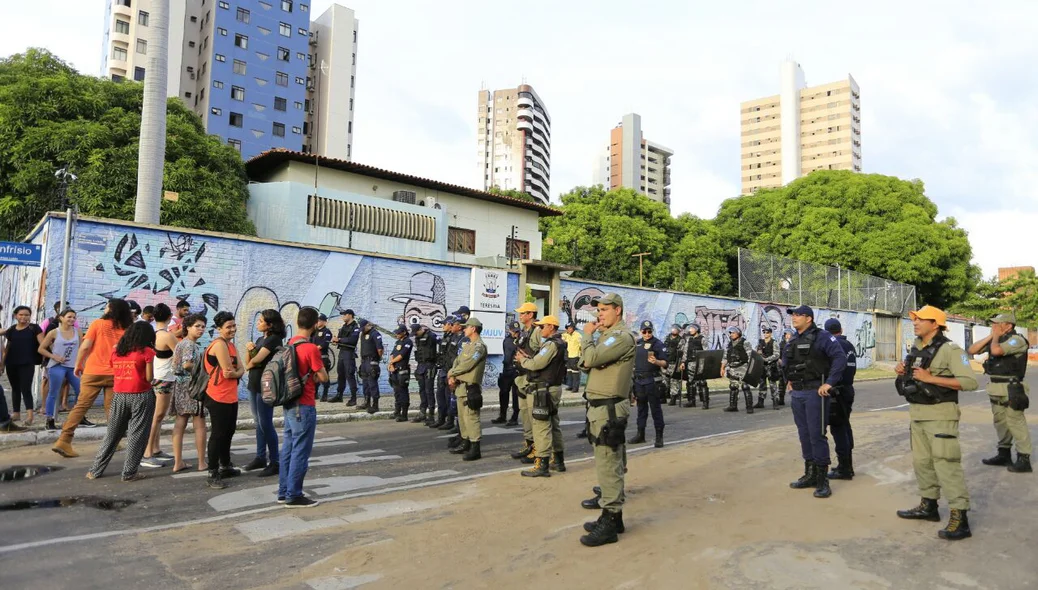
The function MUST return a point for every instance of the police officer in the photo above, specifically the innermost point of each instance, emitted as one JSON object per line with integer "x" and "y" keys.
{"x": 649, "y": 362}
{"x": 466, "y": 378}
{"x": 841, "y": 405}
{"x": 815, "y": 363}
{"x": 787, "y": 335}
{"x": 463, "y": 314}
{"x": 452, "y": 336}
{"x": 425, "y": 372}
{"x": 460, "y": 339}
{"x": 400, "y": 373}
{"x": 529, "y": 344}
{"x": 930, "y": 378}
{"x": 674, "y": 344}
{"x": 370, "y": 357}
{"x": 610, "y": 365}
{"x": 572, "y": 339}
{"x": 1006, "y": 365}
{"x": 346, "y": 341}
{"x": 506, "y": 380}
{"x": 693, "y": 345}
{"x": 769, "y": 380}
{"x": 734, "y": 364}
{"x": 322, "y": 337}
{"x": 546, "y": 372}
{"x": 442, "y": 366}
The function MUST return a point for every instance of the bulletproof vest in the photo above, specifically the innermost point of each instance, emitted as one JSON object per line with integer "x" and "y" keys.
{"x": 737, "y": 356}
{"x": 1007, "y": 365}
{"x": 344, "y": 333}
{"x": 642, "y": 368}
{"x": 508, "y": 347}
{"x": 924, "y": 393}
{"x": 425, "y": 348}
{"x": 368, "y": 345}
{"x": 809, "y": 363}
{"x": 523, "y": 344}
{"x": 452, "y": 348}
{"x": 695, "y": 344}
{"x": 673, "y": 349}
{"x": 766, "y": 348}
{"x": 555, "y": 373}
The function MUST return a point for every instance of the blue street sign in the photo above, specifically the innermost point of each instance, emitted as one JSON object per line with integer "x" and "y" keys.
{"x": 20, "y": 254}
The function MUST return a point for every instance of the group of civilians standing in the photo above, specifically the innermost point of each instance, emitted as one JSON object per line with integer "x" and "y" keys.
{"x": 143, "y": 360}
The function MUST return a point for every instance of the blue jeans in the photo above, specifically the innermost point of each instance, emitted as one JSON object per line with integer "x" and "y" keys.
{"x": 266, "y": 434}
{"x": 300, "y": 425}
{"x": 809, "y": 412}
{"x": 56, "y": 377}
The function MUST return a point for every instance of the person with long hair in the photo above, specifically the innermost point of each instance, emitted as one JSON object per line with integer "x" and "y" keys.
{"x": 94, "y": 368}
{"x": 186, "y": 355}
{"x": 133, "y": 403}
{"x": 272, "y": 326}
{"x": 60, "y": 346}
{"x": 20, "y": 359}
{"x": 225, "y": 370}
{"x": 165, "y": 342}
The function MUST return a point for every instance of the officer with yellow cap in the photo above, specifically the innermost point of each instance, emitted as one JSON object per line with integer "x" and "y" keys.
{"x": 546, "y": 371}
{"x": 528, "y": 345}
{"x": 1006, "y": 365}
{"x": 930, "y": 378}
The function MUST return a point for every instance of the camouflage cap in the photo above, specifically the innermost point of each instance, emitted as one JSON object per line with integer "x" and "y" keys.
{"x": 1006, "y": 317}
{"x": 474, "y": 322}
{"x": 609, "y": 299}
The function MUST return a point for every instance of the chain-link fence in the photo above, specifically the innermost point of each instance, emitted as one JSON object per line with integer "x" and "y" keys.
{"x": 767, "y": 277}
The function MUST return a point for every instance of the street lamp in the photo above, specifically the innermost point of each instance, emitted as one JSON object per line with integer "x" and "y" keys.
{"x": 65, "y": 178}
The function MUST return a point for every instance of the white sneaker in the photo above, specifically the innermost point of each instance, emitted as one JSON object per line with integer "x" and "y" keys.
{"x": 153, "y": 463}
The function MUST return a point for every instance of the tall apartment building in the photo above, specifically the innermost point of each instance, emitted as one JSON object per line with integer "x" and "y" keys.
{"x": 514, "y": 141}
{"x": 249, "y": 69}
{"x": 632, "y": 161}
{"x": 799, "y": 130}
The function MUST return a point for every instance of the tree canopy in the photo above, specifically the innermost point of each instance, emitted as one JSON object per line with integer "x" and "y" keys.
{"x": 989, "y": 298}
{"x": 53, "y": 117}
{"x": 874, "y": 224}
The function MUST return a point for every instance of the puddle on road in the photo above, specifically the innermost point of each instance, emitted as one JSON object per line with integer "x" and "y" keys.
{"x": 68, "y": 501}
{"x": 20, "y": 472}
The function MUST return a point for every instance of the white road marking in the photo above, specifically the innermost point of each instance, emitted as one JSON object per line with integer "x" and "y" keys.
{"x": 491, "y": 431}
{"x": 342, "y": 582}
{"x": 889, "y": 408}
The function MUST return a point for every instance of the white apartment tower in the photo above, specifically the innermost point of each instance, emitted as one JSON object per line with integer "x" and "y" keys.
{"x": 514, "y": 141}
{"x": 634, "y": 162}
{"x": 330, "y": 98}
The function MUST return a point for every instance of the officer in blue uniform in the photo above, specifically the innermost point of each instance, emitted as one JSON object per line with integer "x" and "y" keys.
{"x": 370, "y": 357}
{"x": 322, "y": 337}
{"x": 445, "y": 355}
{"x": 346, "y": 341}
{"x": 814, "y": 363}
{"x": 650, "y": 359}
{"x": 507, "y": 389}
{"x": 840, "y": 416}
{"x": 425, "y": 343}
{"x": 400, "y": 373}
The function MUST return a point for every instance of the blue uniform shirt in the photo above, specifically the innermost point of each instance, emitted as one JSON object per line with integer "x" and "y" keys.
{"x": 852, "y": 362}
{"x": 643, "y": 371}
{"x": 370, "y": 344}
{"x": 829, "y": 346}
{"x": 402, "y": 349}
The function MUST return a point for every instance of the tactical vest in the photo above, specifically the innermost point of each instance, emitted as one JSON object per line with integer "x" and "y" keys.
{"x": 368, "y": 346}
{"x": 695, "y": 344}
{"x": 555, "y": 373}
{"x": 425, "y": 349}
{"x": 642, "y": 368}
{"x": 924, "y": 393}
{"x": 737, "y": 355}
{"x": 452, "y": 349}
{"x": 441, "y": 351}
{"x": 673, "y": 350}
{"x": 523, "y": 344}
{"x": 766, "y": 348}
{"x": 1006, "y": 366}
{"x": 809, "y": 364}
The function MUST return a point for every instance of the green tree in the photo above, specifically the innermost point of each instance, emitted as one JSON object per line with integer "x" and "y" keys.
{"x": 1018, "y": 294}
{"x": 874, "y": 224}
{"x": 51, "y": 117}
{"x": 509, "y": 192}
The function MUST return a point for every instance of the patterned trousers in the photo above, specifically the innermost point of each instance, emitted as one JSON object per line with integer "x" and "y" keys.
{"x": 130, "y": 416}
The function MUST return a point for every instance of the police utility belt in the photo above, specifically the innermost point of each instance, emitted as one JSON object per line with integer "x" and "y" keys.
{"x": 656, "y": 375}
{"x": 543, "y": 407}
{"x": 612, "y": 434}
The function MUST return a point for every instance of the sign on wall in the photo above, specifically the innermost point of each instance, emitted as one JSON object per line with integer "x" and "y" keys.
{"x": 21, "y": 254}
{"x": 488, "y": 290}
{"x": 493, "y": 330}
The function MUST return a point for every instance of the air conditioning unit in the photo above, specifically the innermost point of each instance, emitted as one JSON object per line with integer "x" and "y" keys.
{"x": 309, "y": 83}
{"x": 408, "y": 197}
{"x": 313, "y": 37}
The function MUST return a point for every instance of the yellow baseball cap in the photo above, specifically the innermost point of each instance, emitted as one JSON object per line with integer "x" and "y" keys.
{"x": 527, "y": 307}
{"x": 929, "y": 312}
{"x": 549, "y": 320}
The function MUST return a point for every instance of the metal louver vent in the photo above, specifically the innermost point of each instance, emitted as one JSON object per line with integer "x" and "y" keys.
{"x": 369, "y": 219}
{"x": 404, "y": 197}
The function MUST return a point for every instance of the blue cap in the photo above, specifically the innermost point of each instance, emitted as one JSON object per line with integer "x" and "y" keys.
{"x": 766, "y": 329}
{"x": 322, "y": 318}
{"x": 832, "y": 325}
{"x": 734, "y": 329}
{"x": 415, "y": 328}
{"x": 789, "y": 331}
{"x": 362, "y": 322}
{"x": 400, "y": 329}
{"x": 462, "y": 310}
{"x": 347, "y": 311}
{"x": 450, "y": 319}
{"x": 514, "y": 327}
{"x": 802, "y": 310}
{"x": 647, "y": 325}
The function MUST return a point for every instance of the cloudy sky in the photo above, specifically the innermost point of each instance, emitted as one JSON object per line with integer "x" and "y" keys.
{"x": 948, "y": 88}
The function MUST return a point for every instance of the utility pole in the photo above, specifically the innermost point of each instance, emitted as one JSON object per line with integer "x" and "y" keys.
{"x": 65, "y": 177}
{"x": 641, "y": 257}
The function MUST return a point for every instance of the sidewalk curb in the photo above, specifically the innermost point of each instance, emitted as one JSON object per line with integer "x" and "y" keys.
{"x": 42, "y": 437}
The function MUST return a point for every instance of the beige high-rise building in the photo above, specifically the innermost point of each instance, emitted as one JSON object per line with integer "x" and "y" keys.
{"x": 823, "y": 131}
{"x": 632, "y": 161}
{"x": 514, "y": 141}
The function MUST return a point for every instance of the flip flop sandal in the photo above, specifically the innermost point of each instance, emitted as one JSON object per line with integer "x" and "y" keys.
{"x": 186, "y": 467}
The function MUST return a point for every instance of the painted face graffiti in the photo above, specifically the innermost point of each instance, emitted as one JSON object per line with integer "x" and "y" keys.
{"x": 583, "y": 311}
{"x": 426, "y": 303}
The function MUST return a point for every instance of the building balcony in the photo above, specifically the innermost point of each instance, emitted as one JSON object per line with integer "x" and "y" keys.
{"x": 123, "y": 10}
{"x": 526, "y": 114}
{"x": 523, "y": 124}
{"x": 535, "y": 157}
{"x": 542, "y": 128}
{"x": 525, "y": 102}
{"x": 539, "y": 148}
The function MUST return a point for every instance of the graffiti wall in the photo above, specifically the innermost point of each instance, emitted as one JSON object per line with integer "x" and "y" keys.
{"x": 713, "y": 314}
{"x": 245, "y": 277}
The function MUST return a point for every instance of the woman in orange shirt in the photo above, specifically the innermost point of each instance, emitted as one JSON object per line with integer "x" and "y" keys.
{"x": 94, "y": 367}
{"x": 225, "y": 370}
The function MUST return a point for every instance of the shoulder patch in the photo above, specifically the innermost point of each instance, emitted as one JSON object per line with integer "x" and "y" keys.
{"x": 965, "y": 360}
{"x": 1012, "y": 341}
{"x": 609, "y": 341}
{"x": 832, "y": 338}
{"x": 543, "y": 351}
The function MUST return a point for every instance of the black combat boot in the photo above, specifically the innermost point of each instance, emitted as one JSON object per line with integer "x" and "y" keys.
{"x": 733, "y": 399}
{"x": 704, "y": 393}
{"x": 437, "y": 422}
{"x": 690, "y": 398}
{"x": 558, "y": 462}
{"x": 582, "y": 434}
{"x": 638, "y": 438}
{"x": 351, "y": 402}
{"x": 524, "y": 451}
{"x": 844, "y": 468}
{"x": 462, "y": 448}
{"x": 749, "y": 400}
{"x": 500, "y": 417}
{"x": 324, "y": 397}
{"x": 774, "y": 396}
{"x": 958, "y": 526}
{"x": 396, "y": 411}
{"x": 420, "y": 418}
{"x": 782, "y": 397}
{"x": 673, "y": 400}
{"x": 539, "y": 469}
{"x": 808, "y": 479}
{"x": 373, "y": 406}
{"x": 604, "y": 531}
{"x": 1004, "y": 457}
{"x": 431, "y": 420}
{"x": 448, "y": 424}
{"x": 592, "y": 503}
{"x": 454, "y": 441}
{"x": 514, "y": 420}
{"x": 761, "y": 395}
{"x": 529, "y": 458}
{"x": 822, "y": 489}
{"x": 590, "y": 526}
{"x": 337, "y": 399}
{"x": 926, "y": 510}
{"x": 473, "y": 452}
{"x": 1022, "y": 465}
{"x": 658, "y": 443}
{"x": 403, "y": 414}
